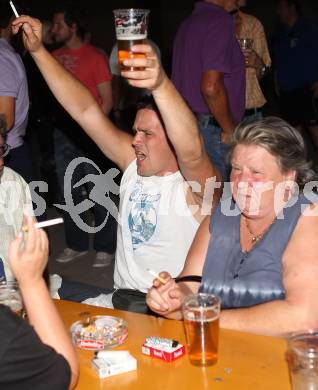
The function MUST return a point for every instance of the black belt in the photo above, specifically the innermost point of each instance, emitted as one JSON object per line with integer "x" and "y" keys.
{"x": 252, "y": 111}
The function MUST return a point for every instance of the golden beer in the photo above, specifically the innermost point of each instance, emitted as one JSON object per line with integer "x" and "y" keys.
{"x": 202, "y": 341}
{"x": 131, "y": 25}
{"x": 124, "y": 52}
{"x": 201, "y": 313}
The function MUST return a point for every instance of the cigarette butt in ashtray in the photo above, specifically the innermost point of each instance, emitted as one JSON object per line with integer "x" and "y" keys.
{"x": 43, "y": 224}
{"x": 153, "y": 273}
{"x": 14, "y": 9}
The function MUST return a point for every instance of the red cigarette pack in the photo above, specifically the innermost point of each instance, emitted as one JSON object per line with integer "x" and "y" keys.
{"x": 167, "y": 356}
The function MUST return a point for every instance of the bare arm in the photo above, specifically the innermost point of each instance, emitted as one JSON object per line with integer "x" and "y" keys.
{"x": 180, "y": 123}
{"x": 105, "y": 91}
{"x": 75, "y": 97}
{"x": 215, "y": 95}
{"x": 166, "y": 299}
{"x": 28, "y": 265}
{"x": 7, "y": 109}
{"x": 299, "y": 310}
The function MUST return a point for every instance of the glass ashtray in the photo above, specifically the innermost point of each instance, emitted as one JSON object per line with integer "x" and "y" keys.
{"x": 10, "y": 295}
{"x": 99, "y": 332}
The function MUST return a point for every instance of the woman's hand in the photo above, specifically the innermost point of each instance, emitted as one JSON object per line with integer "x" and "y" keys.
{"x": 32, "y": 32}
{"x": 28, "y": 258}
{"x": 165, "y": 299}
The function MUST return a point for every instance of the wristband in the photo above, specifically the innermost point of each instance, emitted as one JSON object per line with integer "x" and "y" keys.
{"x": 189, "y": 278}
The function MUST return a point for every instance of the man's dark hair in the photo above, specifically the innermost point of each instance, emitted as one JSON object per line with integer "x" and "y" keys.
{"x": 147, "y": 101}
{"x": 73, "y": 15}
{"x": 296, "y": 4}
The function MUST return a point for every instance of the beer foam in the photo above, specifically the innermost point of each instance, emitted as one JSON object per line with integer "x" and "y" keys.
{"x": 195, "y": 314}
{"x": 131, "y": 37}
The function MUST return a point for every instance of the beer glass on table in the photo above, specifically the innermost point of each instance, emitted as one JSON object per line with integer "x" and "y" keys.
{"x": 131, "y": 29}
{"x": 201, "y": 313}
{"x": 302, "y": 357}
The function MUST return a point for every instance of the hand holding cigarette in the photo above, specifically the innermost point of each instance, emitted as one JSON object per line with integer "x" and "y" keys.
{"x": 165, "y": 297}
{"x": 28, "y": 255}
{"x": 157, "y": 276}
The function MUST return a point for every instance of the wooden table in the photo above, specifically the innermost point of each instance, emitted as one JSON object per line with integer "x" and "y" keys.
{"x": 246, "y": 361}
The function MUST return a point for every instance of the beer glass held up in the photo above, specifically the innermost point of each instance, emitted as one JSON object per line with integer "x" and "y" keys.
{"x": 131, "y": 29}
{"x": 201, "y": 313}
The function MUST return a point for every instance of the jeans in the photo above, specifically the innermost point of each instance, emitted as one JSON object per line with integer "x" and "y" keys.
{"x": 253, "y": 117}
{"x": 76, "y": 238}
{"x": 215, "y": 148}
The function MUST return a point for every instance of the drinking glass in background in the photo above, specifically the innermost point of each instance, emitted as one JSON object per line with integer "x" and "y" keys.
{"x": 246, "y": 43}
{"x": 131, "y": 29}
{"x": 302, "y": 357}
{"x": 10, "y": 296}
{"x": 201, "y": 313}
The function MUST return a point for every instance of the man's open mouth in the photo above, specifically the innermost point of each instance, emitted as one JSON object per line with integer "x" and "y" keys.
{"x": 140, "y": 156}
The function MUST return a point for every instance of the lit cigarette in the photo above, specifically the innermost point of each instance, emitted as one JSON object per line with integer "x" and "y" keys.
{"x": 43, "y": 224}
{"x": 14, "y": 10}
{"x": 153, "y": 273}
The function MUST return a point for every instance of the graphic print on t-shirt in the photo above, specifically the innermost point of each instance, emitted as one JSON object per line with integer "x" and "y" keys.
{"x": 142, "y": 219}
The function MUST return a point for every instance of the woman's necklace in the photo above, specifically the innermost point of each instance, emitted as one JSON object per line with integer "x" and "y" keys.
{"x": 256, "y": 237}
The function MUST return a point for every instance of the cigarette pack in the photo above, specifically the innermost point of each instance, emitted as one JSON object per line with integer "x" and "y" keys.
{"x": 112, "y": 365}
{"x": 164, "y": 349}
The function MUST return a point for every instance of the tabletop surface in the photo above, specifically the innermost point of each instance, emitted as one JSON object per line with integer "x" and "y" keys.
{"x": 246, "y": 361}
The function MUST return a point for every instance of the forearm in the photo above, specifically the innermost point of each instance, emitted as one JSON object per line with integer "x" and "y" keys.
{"x": 180, "y": 123}
{"x": 70, "y": 93}
{"x": 82, "y": 106}
{"x": 218, "y": 103}
{"x": 43, "y": 316}
{"x": 275, "y": 318}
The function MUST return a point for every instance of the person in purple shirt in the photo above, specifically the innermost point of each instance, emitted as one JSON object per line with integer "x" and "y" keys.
{"x": 14, "y": 99}
{"x": 208, "y": 70}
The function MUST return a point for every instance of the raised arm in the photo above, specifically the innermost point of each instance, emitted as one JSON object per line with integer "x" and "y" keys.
{"x": 27, "y": 265}
{"x": 75, "y": 97}
{"x": 180, "y": 123}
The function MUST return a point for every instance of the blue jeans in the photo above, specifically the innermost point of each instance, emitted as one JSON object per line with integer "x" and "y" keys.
{"x": 253, "y": 117}
{"x": 216, "y": 149}
{"x": 76, "y": 238}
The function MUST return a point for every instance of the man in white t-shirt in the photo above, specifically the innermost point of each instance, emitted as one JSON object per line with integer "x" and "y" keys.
{"x": 159, "y": 211}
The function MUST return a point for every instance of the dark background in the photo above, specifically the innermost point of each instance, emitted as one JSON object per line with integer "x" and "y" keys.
{"x": 165, "y": 17}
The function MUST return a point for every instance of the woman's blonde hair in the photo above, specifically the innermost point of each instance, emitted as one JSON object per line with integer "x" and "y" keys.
{"x": 281, "y": 140}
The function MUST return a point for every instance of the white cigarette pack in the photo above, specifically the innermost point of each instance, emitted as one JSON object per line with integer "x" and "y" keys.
{"x": 108, "y": 366}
